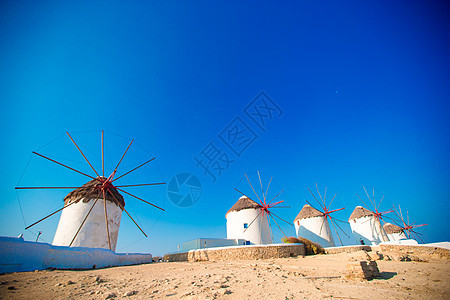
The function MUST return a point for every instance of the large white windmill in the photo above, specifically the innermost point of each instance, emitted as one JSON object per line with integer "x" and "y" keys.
{"x": 313, "y": 224}
{"x": 84, "y": 221}
{"x": 247, "y": 219}
{"x": 366, "y": 224}
{"x": 241, "y": 215}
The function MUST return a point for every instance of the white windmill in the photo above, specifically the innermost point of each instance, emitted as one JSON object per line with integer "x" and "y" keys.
{"x": 394, "y": 232}
{"x": 407, "y": 228}
{"x": 241, "y": 215}
{"x": 313, "y": 224}
{"x": 366, "y": 225}
{"x": 250, "y": 220}
{"x": 83, "y": 222}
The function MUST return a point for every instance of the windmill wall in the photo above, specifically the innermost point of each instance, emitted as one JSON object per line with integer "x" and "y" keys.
{"x": 93, "y": 233}
{"x": 369, "y": 230}
{"x": 315, "y": 229}
{"x": 397, "y": 236}
{"x": 23, "y": 256}
{"x": 257, "y": 233}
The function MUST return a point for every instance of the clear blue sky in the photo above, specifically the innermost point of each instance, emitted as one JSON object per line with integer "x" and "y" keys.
{"x": 364, "y": 89}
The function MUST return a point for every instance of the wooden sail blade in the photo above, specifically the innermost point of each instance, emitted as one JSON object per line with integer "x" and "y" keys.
{"x": 271, "y": 232}
{"x": 416, "y": 226}
{"x": 317, "y": 187}
{"x": 325, "y": 196}
{"x": 362, "y": 201}
{"x": 49, "y": 215}
{"x": 142, "y": 184}
{"x": 262, "y": 190}
{"x": 415, "y": 233}
{"x": 248, "y": 226}
{"x": 243, "y": 194}
{"x": 118, "y": 164}
{"x": 274, "y": 204}
{"x": 45, "y": 187}
{"x": 311, "y": 205}
{"x": 281, "y": 219}
{"x": 338, "y": 220}
{"x": 52, "y": 160}
{"x": 394, "y": 221}
{"x": 400, "y": 216}
{"x": 123, "y": 208}
{"x": 253, "y": 189}
{"x": 379, "y": 204}
{"x": 275, "y": 197}
{"x": 103, "y": 158}
{"x": 335, "y": 210}
{"x": 134, "y": 169}
{"x": 316, "y": 199}
{"x": 332, "y": 220}
{"x": 82, "y": 223}
{"x": 260, "y": 226}
{"x": 82, "y": 154}
{"x": 267, "y": 189}
{"x": 140, "y": 199}
{"x": 270, "y": 215}
{"x": 369, "y": 197}
{"x": 332, "y": 223}
{"x": 321, "y": 226}
{"x": 332, "y": 200}
{"x": 106, "y": 219}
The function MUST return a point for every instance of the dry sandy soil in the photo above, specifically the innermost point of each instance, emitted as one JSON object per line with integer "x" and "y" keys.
{"x": 311, "y": 277}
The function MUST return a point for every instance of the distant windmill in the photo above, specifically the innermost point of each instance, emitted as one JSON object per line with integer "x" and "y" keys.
{"x": 366, "y": 224}
{"x": 249, "y": 218}
{"x": 394, "y": 232}
{"x": 313, "y": 224}
{"x": 84, "y": 224}
{"x": 407, "y": 227}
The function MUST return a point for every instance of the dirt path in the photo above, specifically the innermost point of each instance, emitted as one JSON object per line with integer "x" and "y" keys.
{"x": 312, "y": 277}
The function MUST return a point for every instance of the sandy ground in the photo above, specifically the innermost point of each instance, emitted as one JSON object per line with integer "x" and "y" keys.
{"x": 311, "y": 277}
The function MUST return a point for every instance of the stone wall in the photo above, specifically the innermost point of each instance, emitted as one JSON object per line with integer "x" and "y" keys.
{"x": 239, "y": 252}
{"x": 347, "y": 249}
{"x": 182, "y": 256}
{"x": 435, "y": 252}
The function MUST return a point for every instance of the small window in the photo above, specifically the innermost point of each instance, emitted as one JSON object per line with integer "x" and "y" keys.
{"x": 245, "y": 225}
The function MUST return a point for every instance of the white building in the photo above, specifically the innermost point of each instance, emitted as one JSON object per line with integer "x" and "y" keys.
{"x": 246, "y": 220}
{"x": 394, "y": 232}
{"x": 366, "y": 227}
{"x": 75, "y": 230}
{"x": 313, "y": 225}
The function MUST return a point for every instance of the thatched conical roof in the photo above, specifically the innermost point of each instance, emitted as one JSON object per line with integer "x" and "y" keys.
{"x": 91, "y": 191}
{"x": 308, "y": 212}
{"x": 243, "y": 203}
{"x": 392, "y": 228}
{"x": 360, "y": 212}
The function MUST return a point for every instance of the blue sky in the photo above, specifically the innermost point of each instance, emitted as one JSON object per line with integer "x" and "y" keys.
{"x": 363, "y": 87}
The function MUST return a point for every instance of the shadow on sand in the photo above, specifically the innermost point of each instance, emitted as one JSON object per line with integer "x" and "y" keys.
{"x": 386, "y": 275}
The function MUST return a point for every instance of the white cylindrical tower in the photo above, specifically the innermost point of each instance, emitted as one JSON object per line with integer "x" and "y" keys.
{"x": 311, "y": 224}
{"x": 75, "y": 230}
{"x": 240, "y": 217}
{"x": 366, "y": 227}
{"x": 394, "y": 232}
